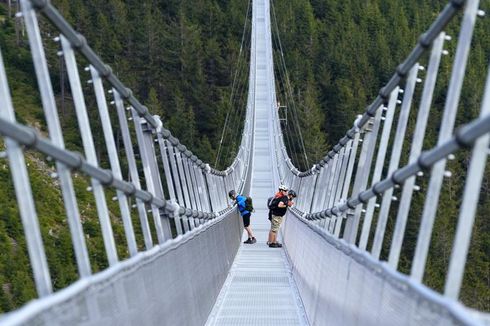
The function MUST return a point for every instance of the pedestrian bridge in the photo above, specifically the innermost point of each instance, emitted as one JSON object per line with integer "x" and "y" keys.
{"x": 338, "y": 266}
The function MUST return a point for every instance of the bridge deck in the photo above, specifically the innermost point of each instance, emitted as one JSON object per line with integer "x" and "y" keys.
{"x": 259, "y": 289}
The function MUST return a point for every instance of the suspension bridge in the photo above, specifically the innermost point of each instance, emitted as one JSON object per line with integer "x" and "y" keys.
{"x": 194, "y": 269}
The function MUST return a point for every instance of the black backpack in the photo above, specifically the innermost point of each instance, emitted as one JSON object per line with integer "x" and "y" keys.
{"x": 272, "y": 202}
{"x": 249, "y": 204}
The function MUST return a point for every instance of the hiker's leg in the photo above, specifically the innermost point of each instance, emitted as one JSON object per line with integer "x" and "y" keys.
{"x": 275, "y": 223}
{"x": 249, "y": 232}
{"x": 246, "y": 225}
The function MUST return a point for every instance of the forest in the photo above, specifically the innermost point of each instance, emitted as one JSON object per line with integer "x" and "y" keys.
{"x": 187, "y": 60}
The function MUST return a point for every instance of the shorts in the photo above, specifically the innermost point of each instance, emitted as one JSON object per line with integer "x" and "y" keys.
{"x": 246, "y": 220}
{"x": 275, "y": 223}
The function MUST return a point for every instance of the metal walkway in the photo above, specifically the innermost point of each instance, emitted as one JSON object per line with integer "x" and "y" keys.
{"x": 260, "y": 289}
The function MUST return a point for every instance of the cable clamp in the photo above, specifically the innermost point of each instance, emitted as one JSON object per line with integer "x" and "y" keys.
{"x": 159, "y": 123}
{"x": 357, "y": 128}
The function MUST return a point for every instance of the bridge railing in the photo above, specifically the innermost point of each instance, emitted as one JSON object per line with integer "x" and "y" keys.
{"x": 341, "y": 193}
{"x": 176, "y": 192}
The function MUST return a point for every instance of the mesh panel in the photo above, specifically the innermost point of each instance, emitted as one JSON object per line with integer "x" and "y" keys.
{"x": 176, "y": 285}
{"x": 342, "y": 286}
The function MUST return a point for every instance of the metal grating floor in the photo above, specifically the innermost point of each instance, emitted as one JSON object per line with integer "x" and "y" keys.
{"x": 260, "y": 289}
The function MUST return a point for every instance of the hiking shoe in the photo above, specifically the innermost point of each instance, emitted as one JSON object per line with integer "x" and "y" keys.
{"x": 248, "y": 241}
{"x": 254, "y": 240}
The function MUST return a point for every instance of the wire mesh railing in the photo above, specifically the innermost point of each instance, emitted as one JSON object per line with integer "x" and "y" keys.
{"x": 389, "y": 170}
{"x": 172, "y": 190}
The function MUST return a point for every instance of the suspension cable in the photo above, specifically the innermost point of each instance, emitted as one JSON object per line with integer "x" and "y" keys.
{"x": 288, "y": 135}
{"x": 234, "y": 82}
{"x": 235, "y": 121}
{"x": 291, "y": 103}
{"x": 288, "y": 86}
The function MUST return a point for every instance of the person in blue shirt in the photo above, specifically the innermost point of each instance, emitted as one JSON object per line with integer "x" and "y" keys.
{"x": 240, "y": 201}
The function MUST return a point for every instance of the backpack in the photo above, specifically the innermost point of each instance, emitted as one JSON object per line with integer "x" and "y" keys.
{"x": 248, "y": 204}
{"x": 272, "y": 203}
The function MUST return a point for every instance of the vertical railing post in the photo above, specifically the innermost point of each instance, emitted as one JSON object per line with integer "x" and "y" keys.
{"x": 210, "y": 189}
{"x": 155, "y": 172}
{"x": 348, "y": 177}
{"x": 89, "y": 149}
{"x": 467, "y": 212}
{"x": 395, "y": 159}
{"x": 417, "y": 143}
{"x": 198, "y": 186}
{"x": 190, "y": 184}
{"x": 179, "y": 155}
{"x": 344, "y": 154}
{"x": 315, "y": 186}
{"x": 133, "y": 170}
{"x": 218, "y": 187}
{"x": 311, "y": 190}
{"x": 153, "y": 182}
{"x": 112, "y": 152}
{"x": 224, "y": 191}
{"x": 179, "y": 160}
{"x": 378, "y": 167}
{"x": 177, "y": 218}
{"x": 333, "y": 163}
{"x": 323, "y": 200}
{"x": 447, "y": 126}
{"x": 350, "y": 168}
{"x": 317, "y": 190}
{"x": 175, "y": 172}
{"x": 299, "y": 188}
{"x": 343, "y": 170}
{"x": 333, "y": 187}
{"x": 306, "y": 185}
{"x": 187, "y": 186}
{"x": 166, "y": 166}
{"x": 23, "y": 192}
{"x": 201, "y": 173}
{"x": 55, "y": 134}
{"x": 362, "y": 175}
